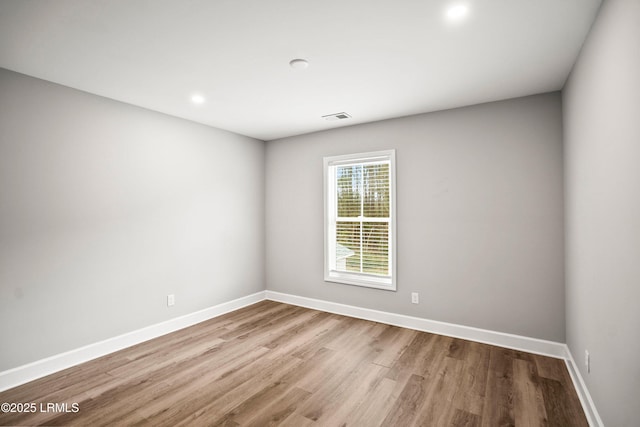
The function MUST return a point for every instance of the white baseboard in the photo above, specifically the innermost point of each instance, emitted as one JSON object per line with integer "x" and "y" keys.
{"x": 501, "y": 339}
{"x": 583, "y": 393}
{"x": 516, "y": 342}
{"x": 29, "y": 372}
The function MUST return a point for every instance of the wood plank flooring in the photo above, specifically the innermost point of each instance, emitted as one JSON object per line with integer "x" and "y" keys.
{"x": 277, "y": 364}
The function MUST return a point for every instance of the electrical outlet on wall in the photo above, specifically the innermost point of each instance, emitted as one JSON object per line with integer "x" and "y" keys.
{"x": 415, "y": 298}
{"x": 587, "y": 360}
{"x": 171, "y": 300}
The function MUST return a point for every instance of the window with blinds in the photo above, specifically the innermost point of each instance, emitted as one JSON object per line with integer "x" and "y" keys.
{"x": 360, "y": 219}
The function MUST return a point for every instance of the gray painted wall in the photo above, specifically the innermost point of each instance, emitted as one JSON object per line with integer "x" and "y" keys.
{"x": 602, "y": 137}
{"x": 106, "y": 208}
{"x": 480, "y": 215}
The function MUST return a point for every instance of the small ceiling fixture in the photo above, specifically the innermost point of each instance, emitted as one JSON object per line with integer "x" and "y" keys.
{"x": 457, "y": 12}
{"x": 336, "y": 116}
{"x": 197, "y": 99}
{"x": 299, "y": 64}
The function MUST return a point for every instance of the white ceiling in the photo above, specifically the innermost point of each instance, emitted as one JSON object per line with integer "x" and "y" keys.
{"x": 374, "y": 59}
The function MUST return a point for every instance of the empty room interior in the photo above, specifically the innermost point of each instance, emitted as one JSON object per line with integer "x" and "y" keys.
{"x": 363, "y": 213}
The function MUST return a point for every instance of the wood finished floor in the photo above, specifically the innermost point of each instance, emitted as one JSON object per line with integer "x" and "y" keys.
{"x": 277, "y": 364}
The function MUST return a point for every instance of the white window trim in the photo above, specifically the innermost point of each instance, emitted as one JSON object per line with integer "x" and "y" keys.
{"x": 357, "y": 279}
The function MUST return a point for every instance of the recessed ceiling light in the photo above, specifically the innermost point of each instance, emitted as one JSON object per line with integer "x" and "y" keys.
{"x": 197, "y": 99}
{"x": 457, "y": 12}
{"x": 299, "y": 64}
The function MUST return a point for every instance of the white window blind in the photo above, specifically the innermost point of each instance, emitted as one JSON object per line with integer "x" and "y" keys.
{"x": 359, "y": 219}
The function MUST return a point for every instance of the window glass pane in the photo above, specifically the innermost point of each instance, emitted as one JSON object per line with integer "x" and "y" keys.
{"x": 375, "y": 190}
{"x": 348, "y": 246}
{"x": 375, "y": 248}
{"x": 348, "y": 190}
{"x": 359, "y": 223}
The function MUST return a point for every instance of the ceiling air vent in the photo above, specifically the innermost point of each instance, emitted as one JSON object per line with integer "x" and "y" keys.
{"x": 337, "y": 116}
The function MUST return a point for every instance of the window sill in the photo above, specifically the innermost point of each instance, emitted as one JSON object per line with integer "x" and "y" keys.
{"x": 384, "y": 283}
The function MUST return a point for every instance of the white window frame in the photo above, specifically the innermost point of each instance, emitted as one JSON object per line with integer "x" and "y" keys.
{"x": 330, "y": 212}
